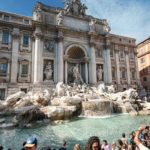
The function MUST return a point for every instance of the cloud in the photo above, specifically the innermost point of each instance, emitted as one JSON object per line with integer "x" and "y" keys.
{"x": 126, "y": 17}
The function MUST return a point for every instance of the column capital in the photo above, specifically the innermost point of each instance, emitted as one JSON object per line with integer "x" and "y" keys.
{"x": 86, "y": 59}
{"x": 92, "y": 41}
{"x": 60, "y": 36}
{"x": 38, "y": 35}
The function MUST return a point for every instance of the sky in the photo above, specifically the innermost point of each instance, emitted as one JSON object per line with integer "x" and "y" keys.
{"x": 129, "y": 18}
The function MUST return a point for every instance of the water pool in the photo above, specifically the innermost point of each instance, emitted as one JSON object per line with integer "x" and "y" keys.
{"x": 75, "y": 131}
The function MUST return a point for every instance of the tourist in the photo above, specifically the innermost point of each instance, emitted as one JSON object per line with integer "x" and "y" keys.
{"x": 77, "y": 147}
{"x": 1, "y": 147}
{"x": 124, "y": 139}
{"x": 93, "y": 143}
{"x": 119, "y": 144}
{"x": 105, "y": 145}
{"x": 31, "y": 143}
{"x": 137, "y": 138}
{"x": 114, "y": 146}
{"x": 24, "y": 143}
{"x": 64, "y": 147}
{"x": 131, "y": 142}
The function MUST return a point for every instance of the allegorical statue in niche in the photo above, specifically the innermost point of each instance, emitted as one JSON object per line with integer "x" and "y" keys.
{"x": 48, "y": 72}
{"x": 49, "y": 45}
{"x": 99, "y": 73}
{"x": 76, "y": 75}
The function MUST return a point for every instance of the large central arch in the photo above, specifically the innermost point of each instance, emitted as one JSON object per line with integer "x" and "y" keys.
{"x": 76, "y": 54}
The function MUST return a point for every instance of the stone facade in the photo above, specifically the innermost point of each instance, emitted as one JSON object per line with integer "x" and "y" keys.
{"x": 144, "y": 63}
{"x": 43, "y": 50}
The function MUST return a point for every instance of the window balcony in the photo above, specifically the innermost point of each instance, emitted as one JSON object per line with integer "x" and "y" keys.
{"x": 25, "y": 48}
{"x": 6, "y": 46}
{"x": 4, "y": 78}
{"x": 24, "y": 78}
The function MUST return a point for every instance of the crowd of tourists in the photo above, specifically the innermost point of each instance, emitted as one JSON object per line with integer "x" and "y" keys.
{"x": 137, "y": 140}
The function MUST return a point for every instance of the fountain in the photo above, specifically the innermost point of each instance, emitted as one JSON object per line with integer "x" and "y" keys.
{"x": 37, "y": 112}
{"x": 66, "y": 102}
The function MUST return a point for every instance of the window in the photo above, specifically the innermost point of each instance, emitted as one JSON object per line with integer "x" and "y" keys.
{"x": 2, "y": 94}
{"x": 133, "y": 74}
{"x": 113, "y": 74}
{"x": 25, "y": 40}
{"x": 23, "y": 90}
{"x": 24, "y": 71}
{"x": 131, "y": 55}
{"x": 5, "y": 37}
{"x": 6, "y": 18}
{"x": 3, "y": 68}
{"x": 142, "y": 60}
{"x": 145, "y": 79}
{"x": 112, "y": 50}
{"x": 26, "y": 21}
{"x": 121, "y": 54}
{"x": 123, "y": 74}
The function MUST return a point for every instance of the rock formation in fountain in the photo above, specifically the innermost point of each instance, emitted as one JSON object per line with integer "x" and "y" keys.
{"x": 66, "y": 102}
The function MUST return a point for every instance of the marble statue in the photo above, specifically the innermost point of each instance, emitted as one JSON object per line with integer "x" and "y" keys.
{"x": 38, "y": 12}
{"x": 76, "y": 75}
{"x": 99, "y": 73}
{"x": 60, "y": 18}
{"x": 48, "y": 72}
{"x": 83, "y": 9}
{"x": 92, "y": 25}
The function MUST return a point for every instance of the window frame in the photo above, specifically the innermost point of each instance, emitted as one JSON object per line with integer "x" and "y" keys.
{"x": 5, "y": 37}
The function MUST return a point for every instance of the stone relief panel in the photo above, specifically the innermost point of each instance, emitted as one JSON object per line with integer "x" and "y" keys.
{"x": 48, "y": 70}
{"x": 99, "y": 72}
{"x": 99, "y": 51}
{"x": 49, "y": 45}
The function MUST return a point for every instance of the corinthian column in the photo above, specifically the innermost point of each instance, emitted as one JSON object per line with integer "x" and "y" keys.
{"x": 60, "y": 61}
{"x": 117, "y": 64}
{"x": 38, "y": 61}
{"x": 92, "y": 63}
{"x": 14, "y": 59}
{"x": 128, "y": 66}
{"x": 107, "y": 64}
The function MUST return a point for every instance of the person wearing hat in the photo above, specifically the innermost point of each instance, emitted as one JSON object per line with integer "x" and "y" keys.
{"x": 31, "y": 143}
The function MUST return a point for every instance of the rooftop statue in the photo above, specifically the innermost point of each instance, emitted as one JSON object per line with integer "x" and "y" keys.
{"x": 75, "y": 7}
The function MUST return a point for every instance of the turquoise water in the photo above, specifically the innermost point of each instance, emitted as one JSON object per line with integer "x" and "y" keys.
{"x": 75, "y": 131}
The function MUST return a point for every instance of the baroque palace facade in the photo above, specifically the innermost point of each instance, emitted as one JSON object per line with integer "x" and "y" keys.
{"x": 143, "y": 50}
{"x": 49, "y": 47}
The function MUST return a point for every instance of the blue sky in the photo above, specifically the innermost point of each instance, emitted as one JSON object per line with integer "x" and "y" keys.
{"x": 126, "y": 17}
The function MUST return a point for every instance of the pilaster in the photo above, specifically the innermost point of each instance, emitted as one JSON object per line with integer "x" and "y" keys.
{"x": 60, "y": 54}
{"x": 107, "y": 64}
{"x": 117, "y": 64}
{"x": 38, "y": 60}
{"x": 14, "y": 59}
{"x": 92, "y": 63}
{"x": 128, "y": 65}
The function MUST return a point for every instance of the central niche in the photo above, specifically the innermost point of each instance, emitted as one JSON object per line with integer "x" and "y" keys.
{"x": 76, "y": 61}
{"x": 76, "y": 53}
